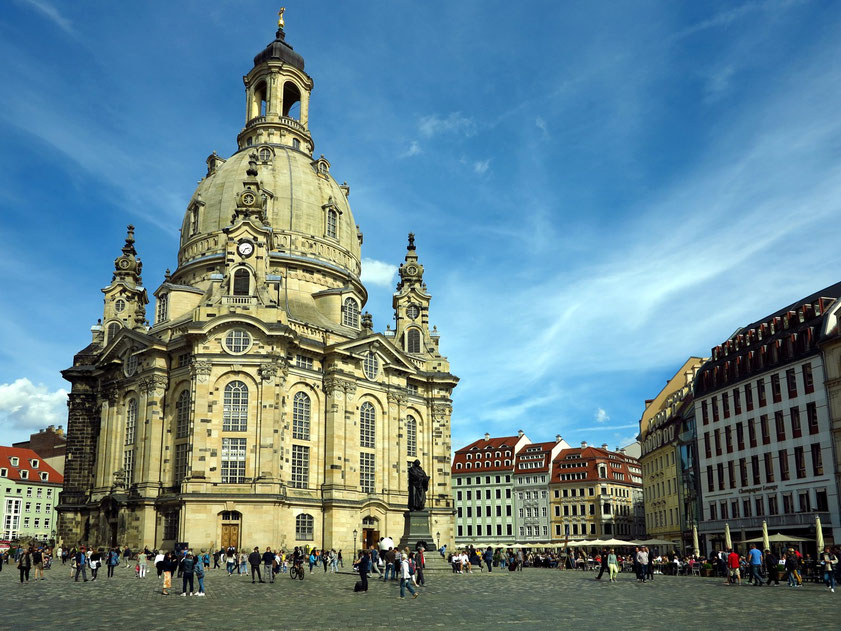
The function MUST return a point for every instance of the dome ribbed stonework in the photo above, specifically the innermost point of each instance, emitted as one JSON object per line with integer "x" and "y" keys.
{"x": 297, "y": 199}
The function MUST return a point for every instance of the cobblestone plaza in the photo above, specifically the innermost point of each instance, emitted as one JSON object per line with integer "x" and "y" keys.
{"x": 550, "y": 598}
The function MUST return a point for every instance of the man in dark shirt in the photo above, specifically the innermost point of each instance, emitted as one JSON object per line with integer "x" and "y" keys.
{"x": 254, "y": 560}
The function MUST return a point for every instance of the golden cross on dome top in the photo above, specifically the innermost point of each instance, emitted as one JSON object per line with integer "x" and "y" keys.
{"x": 280, "y": 21}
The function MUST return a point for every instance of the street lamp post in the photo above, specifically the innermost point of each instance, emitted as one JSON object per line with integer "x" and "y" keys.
{"x": 354, "y": 542}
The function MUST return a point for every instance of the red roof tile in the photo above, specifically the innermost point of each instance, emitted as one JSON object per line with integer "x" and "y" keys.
{"x": 25, "y": 458}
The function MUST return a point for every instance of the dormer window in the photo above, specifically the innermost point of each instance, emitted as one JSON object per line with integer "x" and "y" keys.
{"x": 163, "y": 308}
{"x": 350, "y": 313}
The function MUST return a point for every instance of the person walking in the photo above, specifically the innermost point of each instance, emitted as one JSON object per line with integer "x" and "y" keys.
{"x": 612, "y": 566}
{"x": 642, "y": 564}
{"x": 142, "y": 562}
{"x": 755, "y": 561}
{"x": 828, "y": 562}
{"x": 167, "y": 566}
{"x": 733, "y": 563}
{"x": 604, "y": 564}
{"x": 406, "y": 578}
{"x": 254, "y": 560}
{"x": 772, "y": 566}
{"x": 268, "y": 564}
{"x": 81, "y": 564}
{"x": 95, "y": 561}
{"x": 24, "y": 565}
{"x": 199, "y": 571}
{"x": 188, "y": 565}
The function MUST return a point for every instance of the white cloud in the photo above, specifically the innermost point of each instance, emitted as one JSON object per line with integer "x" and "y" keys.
{"x": 454, "y": 123}
{"x": 377, "y": 272}
{"x": 481, "y": 166}
{"x": 23, "y": 405}
{"x": 413, "y": 150}
{"x": 602, "y": 416}
{"x": 49, "y": 11}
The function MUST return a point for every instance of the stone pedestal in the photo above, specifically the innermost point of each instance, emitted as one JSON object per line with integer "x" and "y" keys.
{"x": 416, "y": 528}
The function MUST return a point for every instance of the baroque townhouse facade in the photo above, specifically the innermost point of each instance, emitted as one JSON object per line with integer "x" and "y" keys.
{"x": 595, "y": 493}
{"x": 29, "y": 489}
{"x": 764, "y": 427}
{"x": 532, "y": 469}
{"x": 665, "y": 460}
{"x": 482, "y": 475}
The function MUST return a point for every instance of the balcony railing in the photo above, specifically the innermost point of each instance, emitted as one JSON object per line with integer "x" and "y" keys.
{"x": 238, "y": 300}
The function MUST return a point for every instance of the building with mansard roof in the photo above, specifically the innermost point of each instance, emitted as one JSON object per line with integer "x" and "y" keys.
{"x": 261, "y": 407}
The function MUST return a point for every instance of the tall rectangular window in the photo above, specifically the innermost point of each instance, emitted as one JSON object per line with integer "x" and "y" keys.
{"x": 748, "y": 397}
{"x": 791, "y": 382}
{"x": 760, "y": 392}
{"x": 812, "y": 417}
{"x": 763, "y": 428}
{"x": 808, "y": 381}
{"x": 367, "y": 472}
{"x": 769, "y": 467}
{"x": 799, "y": 462}
{"x": 180, "y": 462}
{"x": 817, "y": 459}
{"x": 796, "y": 429}
{"x": 233, "y": 460}
{"x": 300, "y": 466}
{"x": 782, "y": 456}
{"x": 779, "y": 422}
{"x": 776, "y": 391}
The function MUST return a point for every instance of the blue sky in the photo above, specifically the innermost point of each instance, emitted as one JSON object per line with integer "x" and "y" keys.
{"x": 599, "y": 190}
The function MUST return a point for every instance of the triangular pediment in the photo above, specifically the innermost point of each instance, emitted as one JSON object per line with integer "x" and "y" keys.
{"x": 378, "y": 344}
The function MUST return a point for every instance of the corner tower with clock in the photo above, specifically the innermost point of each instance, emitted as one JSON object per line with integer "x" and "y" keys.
{"x": 261, "y": 405}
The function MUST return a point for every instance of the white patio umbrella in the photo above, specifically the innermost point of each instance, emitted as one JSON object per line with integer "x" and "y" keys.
{"x": 819, "y": 535}
{"x": 695, "y": 540}
{"x": 728, "y": 543}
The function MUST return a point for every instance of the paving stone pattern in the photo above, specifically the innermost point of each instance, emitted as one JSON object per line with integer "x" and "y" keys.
{"x": 550, "y": 598}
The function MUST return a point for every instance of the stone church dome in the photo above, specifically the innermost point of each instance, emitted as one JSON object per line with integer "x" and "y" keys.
{"x": 299, "y": 192}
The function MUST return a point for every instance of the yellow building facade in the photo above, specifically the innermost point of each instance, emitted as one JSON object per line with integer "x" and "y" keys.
{"x": 261, "y": 407}
{"x": 660, "y": 428}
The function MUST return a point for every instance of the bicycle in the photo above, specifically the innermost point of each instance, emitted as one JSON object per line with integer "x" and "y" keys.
{"x": 296, "y": 571}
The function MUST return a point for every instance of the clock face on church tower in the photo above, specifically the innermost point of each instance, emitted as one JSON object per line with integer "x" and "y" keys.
{"x": 245, "y": 248}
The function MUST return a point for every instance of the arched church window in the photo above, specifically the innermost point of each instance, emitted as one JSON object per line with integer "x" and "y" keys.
{"x": 242, "y": 282}
{"x": 411, "y": 436}
{"x": 350, "y": 313}
{"x": 113, "y": 329}
{"x": 413, "y": 344}
{"x": 131, "y": 421}
{"x": 304, "y": 527}
{"x": 301, "y": 416}
{"x": 332, "y": 224}
{"x": 163, "y": 308}
{"x": 182, "y": 414}
{"x": 235, "y": 407}
{"x": 367, "y": 425}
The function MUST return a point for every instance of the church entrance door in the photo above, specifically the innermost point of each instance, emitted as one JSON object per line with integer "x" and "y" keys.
{"x": 230, "y": 535}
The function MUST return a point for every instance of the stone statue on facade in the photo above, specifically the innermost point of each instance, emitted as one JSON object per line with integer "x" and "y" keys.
{"x": 418, "y": 486}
